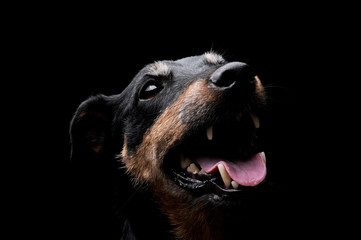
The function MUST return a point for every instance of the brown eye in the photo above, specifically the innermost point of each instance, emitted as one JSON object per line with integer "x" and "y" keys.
{"x": 150, "y": 90}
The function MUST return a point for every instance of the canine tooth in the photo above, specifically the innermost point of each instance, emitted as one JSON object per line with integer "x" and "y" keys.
{"x": 234, "y": 184}
{"x": 255, "y": 120}
{"x": 225, "y": 177}
{"x": 192, "y": 168}
{"x": 210, "y": 133}
{"x": 184, "y": 161}
{"x": 263, "y": 155}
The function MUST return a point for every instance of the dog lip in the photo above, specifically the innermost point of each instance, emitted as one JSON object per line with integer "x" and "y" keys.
{"x": 200, "y": 186}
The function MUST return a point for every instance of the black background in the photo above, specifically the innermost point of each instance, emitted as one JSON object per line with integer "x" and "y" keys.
{"x": 63, "y": 54}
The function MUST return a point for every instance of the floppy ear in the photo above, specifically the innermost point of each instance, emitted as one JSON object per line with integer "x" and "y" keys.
{"x": 91, "y": 166}
{"x": 90, "y": 132}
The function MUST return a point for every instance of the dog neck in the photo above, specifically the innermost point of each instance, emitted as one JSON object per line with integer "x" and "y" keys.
{"x": 193, "y": 220}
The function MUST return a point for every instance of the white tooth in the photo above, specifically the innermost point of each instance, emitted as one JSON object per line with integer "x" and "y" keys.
{"x": 184, "y": 161}
{"x": 234, "y": 184}
{"x": 255, "y": 120}
{"x": 192, "y": 168}
{"x": 225, "y": 177}
{"x": 210, "y": 133}
{"x": 202, "y": 172}
{"x": 263, "y": 155}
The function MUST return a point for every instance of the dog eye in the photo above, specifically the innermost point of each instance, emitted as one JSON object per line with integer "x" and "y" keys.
{"x": 150, "y": 90}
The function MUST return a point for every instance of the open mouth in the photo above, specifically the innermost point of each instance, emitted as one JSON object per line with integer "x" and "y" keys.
{"x": 224, "y": 158}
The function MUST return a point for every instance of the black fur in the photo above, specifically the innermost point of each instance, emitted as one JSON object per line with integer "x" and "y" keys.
{"x": 98, "y": 130}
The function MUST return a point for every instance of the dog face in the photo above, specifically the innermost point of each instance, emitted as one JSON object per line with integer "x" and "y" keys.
{"x": 187, "y": 129}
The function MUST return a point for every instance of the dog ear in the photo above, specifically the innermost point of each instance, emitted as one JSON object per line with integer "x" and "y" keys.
{"x": 91, "y": 176}
{"x": 90, "y": 131}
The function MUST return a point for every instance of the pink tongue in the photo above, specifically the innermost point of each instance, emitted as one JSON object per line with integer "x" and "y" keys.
{"x": 248, "y": 172}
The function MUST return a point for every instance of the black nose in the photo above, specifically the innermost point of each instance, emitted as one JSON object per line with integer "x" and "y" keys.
{"x": 234, "y": 74}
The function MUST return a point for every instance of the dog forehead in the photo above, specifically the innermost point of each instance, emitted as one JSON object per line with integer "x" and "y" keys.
{"x": 195, "y": 64}
{"x": 187, "y": 67}
{"x": 208, "y": 58}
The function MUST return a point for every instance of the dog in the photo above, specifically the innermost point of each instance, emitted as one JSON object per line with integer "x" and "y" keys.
{"x": 181, "y": 144}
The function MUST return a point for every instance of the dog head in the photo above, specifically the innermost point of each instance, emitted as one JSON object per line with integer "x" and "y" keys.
{"x": 187, "y": 129}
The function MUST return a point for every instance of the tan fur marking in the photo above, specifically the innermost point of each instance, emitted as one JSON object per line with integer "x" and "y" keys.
{"x": 159, "y": 69}
{"x": 96, "y": 146}
{"x": 200, "y": 92}
{"x": 145, "y": 163}
{"x": 213, "y": 58}
{"x": 260, "y": 92}
{"x": 191, "y": 221}
{"x": 168, "y": 128}
{"x": 199, "y": 100}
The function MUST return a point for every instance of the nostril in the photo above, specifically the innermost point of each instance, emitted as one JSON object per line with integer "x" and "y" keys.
{"x": 226, "y": 79}
{"x": 231, "y": 73}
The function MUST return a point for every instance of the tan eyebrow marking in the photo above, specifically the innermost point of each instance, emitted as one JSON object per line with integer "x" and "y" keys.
{"x": 159, "y": 69}
{"x": 213, "y": 58}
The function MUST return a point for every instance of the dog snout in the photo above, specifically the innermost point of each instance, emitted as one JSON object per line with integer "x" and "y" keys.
{"x": 234, "y": 75}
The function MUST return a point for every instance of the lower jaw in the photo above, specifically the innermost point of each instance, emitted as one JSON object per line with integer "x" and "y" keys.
{"x": 208, "y": 190}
